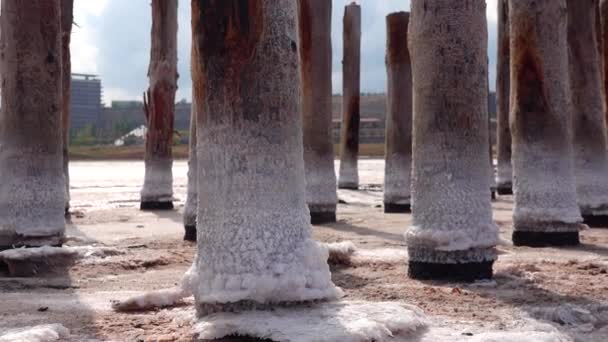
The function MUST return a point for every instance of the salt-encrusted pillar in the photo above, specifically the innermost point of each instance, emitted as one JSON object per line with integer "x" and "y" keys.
{"x": 67, "y": 18}
{"x": 452, "y": 235}
{"x": 315, "y": 71}
{"x": 351, "y": 79}
{"x": 589, "y": 122}
{"x": 32, "y": 184}
{"x": 545, "y": 211}
{"x": 490, "y": 143}
{"x": 157, "y": 192}
{"x": 254, "y": 239}
{"x": 191, "y": 206}
{"x": 603, "y": 38}
{"x": 398, "y": 146}
{"x": 504, "y": 175}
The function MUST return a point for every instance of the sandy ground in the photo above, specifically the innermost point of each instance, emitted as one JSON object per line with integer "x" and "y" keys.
{"x": 557, "y": 286}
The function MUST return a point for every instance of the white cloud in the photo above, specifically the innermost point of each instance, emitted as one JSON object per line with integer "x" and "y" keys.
{"x": 112, "y": 40}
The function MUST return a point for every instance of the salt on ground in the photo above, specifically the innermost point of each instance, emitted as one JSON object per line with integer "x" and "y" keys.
{"x": 346, "y": 253}
{"x": 163, "y": 298}
{"x": 353, "y": 321}
{"x": 50, "y": 252}
{"x": 40, "y": 333}
{"x": 535, "y": 336}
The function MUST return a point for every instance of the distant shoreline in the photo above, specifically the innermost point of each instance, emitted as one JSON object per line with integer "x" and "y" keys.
{"x": 84, "y": 153}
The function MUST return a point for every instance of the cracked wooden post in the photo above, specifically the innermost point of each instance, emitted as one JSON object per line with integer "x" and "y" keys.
{"x": 159, "y": 106}
{"x": 589, "y": 121}
{"x": 67, "y": 18}
{"x": 490, "y": 142}
{"x": 351, "y": 79}
{"x": 545, "y": 211}
{"x": 255, "y": 248}
{"x": 398, "y": 150}
{"x": 32, "y": 186}
{"x": 452, "y": 234}
{"x": 603, "y": 37}
{"x": 315, "y": 72}
{"x": 504, "y": 176}
{"x": 191, "y": 206}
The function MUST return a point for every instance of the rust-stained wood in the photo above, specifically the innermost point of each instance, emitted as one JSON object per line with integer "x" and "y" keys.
{"x": 398, "y": 144}
{"x": 252, "y": 212}
{"x": 351, "y": 79}
{"x": 546, "y": 211}
{"x": 603, "y": 13}
{"x": 589, "y": 121}
{"x": 315, "y": 75}
{"x": 32, "y": 186}
{"x": 451, "y": 203}
{"x": 67, "y": 18}
{"x": 504, "y": 177}
{"x": 159, "y": 107}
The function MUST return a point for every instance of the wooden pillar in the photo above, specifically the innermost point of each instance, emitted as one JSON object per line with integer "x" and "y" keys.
{"x": 589, "y": 121}
{"x": 603, "y": 38}
{"x": 452, "y": 234}
{"x": 67, "y": 18}
{"x": 32, "y": 186}
{"x": 490, "y": 142}
{"x": 545, "y": 211}
{"x": 398, "y": 150}
{"x": 159, "y": 106}
{"x": 351, "y": 79}
{"x": 504, "y": 178}
{"x": 254, "y": 238}
{"x": 191, "y": 207}
{"x": 315, "y": 71}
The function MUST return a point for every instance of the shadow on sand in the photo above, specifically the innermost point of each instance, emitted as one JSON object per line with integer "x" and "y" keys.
{"x": 49, "y": 297}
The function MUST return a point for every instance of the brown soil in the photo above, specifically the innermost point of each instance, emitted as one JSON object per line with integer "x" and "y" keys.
{"x": 155, "y": 257}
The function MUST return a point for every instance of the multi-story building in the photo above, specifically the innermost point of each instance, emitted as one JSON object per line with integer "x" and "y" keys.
{"x": 85, "y": 104}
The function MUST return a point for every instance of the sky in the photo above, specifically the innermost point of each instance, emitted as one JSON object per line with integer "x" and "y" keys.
{"x": 112, "y": 40}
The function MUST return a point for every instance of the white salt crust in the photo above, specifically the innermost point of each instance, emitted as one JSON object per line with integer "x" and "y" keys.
{"x": 191, "y": 205}
{"x": 349, "y": 321}
{"x": 151, "y": 300}
{"x": 397, "y": 180}
{"x": 547, "y": 193}
{"x": 592, "y": 191}
{"x": 527, "y": 336}
{"x": 158, "y": 182}
{"x": 321, "y": 194}
{"x": 162, "y": 298}
{"x": 504, "y": 175}
{"x": 346, "y": 252}
{"x": 40, "y": 333}
{"x": 349, "y": 174}
{"x": 340, "y": 252}
{"x": 32, "y": 195}
{"x": 583, "y": 318}
{"x": 379, "y": 256}
{"x": 303, "y": 276}
{"x": 446, "y": 239}
{"x": 20, "y": 254}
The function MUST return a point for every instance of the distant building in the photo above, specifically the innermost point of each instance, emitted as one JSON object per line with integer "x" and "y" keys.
{"x": 127, "y": 104}
{"x": 85, "y": 103}
{"x": 372, "y": 125}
